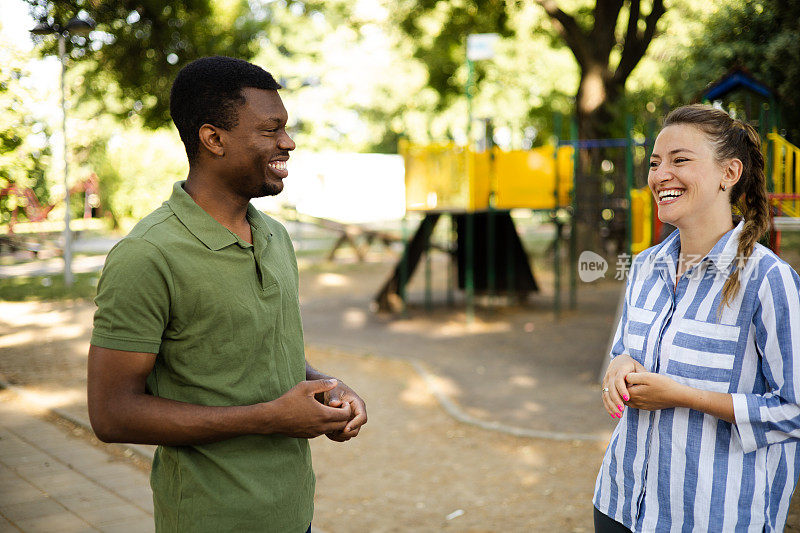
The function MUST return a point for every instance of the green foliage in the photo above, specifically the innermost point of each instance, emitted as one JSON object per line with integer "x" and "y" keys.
{"x": 762, "y": 36}
{"x": 23, "y": 138}
{"x": 439, "y": 29}
{"x": 136, "y": 169}
{"x": 139, "y": 46}
{"x": 350, "y": 82}
{"x": 532, "y": 75}
{"x": 546, "y": 55}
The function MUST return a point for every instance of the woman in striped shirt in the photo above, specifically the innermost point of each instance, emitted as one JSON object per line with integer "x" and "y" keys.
{"x": 705, "y": 375}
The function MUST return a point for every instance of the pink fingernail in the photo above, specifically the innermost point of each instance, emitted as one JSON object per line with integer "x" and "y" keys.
{"x": 619, "y": 407}
{"x": 625, "y": 397}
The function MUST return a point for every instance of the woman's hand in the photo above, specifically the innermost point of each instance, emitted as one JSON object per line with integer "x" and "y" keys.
{"x": 614, "y": 380}
{"x": 652, "y": 392}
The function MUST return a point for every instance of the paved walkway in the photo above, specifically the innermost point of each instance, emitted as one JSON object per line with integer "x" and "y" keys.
{"x": 96, "y": 247}
{"x": 53, "y": 481}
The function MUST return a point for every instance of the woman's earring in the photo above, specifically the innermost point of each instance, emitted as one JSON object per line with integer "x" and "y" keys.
{"x": 723, "y": 187}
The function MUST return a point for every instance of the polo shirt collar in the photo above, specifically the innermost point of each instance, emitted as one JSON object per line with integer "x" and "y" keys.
{"x": 202, "y": 225}
{"x": 257, "y": 221}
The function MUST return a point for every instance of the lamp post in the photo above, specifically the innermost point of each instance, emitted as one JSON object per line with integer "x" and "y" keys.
{"x": 76, "y": 26}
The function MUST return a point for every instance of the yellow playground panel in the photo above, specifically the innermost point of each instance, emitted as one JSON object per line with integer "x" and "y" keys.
{"x": 641, "y": 219}
{"x": 785, "y": 174}
{"x": 442, "y": 177}
{"x": 447, "y": 177}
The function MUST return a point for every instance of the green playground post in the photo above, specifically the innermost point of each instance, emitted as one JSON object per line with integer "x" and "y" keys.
{"x": 468, "y": 91}
{"x": 649, "y": 144}
{"x": 428, "y": 275}
{"x": 573, "y": 234}
{"x": 451, "y": 236}
{"x": 556, "y": 242}
{"x": 510, "y": 260}
{"x": 404, "y": 263}
{"x": 650, "y": 141}
{"x": 629, "y": 182}
{"x": 491, "y": 256}
{"x": 469, "y": 279}
{"x": 490, "y": 250}
{"x": 469, "y": 270}
{"x": 769, "y": 125}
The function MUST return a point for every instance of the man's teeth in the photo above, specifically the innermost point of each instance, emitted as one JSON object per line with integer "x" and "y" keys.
{"x": 278, "y": 165}
{"x": 669, "y": 194}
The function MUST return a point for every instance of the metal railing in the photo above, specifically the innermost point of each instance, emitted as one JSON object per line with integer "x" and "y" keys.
{"x": 785, "y": 176}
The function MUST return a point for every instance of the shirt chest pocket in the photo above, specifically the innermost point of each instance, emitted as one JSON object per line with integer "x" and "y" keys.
{"x": 639, "y": 323}
{"x": 702, "y": 354}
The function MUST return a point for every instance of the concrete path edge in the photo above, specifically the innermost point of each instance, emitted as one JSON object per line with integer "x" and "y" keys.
{"x": 454, "y": 410}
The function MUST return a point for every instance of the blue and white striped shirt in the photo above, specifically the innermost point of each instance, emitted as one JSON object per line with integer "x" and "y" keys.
{"x": 682, "y": 470}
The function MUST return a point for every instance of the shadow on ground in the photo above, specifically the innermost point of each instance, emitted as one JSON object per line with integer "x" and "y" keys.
{"x": 516, "y": 365}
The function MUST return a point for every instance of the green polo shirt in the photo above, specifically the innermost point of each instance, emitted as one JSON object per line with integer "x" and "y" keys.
{"x": 223, "y": 318}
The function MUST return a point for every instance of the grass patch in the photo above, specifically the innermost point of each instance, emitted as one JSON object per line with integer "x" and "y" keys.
{"x": 791, "y": 240}
{"x": 40, "y": 288}
{"x": 790, "y": 248}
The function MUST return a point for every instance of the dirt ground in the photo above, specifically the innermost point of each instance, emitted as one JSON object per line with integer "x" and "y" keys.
{"x": 414, "y": 467}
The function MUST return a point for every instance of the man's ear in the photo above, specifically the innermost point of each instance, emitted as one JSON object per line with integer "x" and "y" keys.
{"x": 210, "y": 140}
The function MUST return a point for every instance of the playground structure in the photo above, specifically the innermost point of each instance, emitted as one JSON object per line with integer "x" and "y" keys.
{"x": 477, "y": 189}
{"x": 742, "y": 94}
{"x": 784, "y": 159}
{"x": 25, "y": 201}
{"x": 478, "y": 211}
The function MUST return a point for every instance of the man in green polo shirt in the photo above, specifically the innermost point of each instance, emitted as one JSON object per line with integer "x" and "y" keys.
{"x": 198, "y": 343}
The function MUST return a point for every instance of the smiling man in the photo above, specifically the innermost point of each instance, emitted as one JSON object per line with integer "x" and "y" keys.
{"x": 197, "y": 343}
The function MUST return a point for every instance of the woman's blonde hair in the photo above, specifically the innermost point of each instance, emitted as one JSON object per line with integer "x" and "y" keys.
{"x": 734, "y": 139}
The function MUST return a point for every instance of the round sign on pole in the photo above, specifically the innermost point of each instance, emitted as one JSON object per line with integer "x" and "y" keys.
{"x": 481, "y": 45}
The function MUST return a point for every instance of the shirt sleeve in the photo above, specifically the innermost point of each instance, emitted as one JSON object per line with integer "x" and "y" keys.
{"x": 773, "y": 417}
{"x": 133, "y": 298}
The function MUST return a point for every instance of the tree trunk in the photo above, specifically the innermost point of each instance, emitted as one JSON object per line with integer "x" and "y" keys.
{"x": 597, "y": 93}
{"x": 600, "y": 88}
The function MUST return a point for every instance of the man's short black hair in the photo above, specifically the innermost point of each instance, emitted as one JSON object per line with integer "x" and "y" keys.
{"x": 209, "y": 91}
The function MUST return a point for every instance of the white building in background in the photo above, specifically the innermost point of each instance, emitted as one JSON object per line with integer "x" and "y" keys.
{"x": 347, "y": 187}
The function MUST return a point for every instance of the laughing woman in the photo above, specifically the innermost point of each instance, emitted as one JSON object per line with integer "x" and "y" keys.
{"x": 705, "y": 375}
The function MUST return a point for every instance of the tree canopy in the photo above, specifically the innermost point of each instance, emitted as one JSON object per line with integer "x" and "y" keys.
{"x": 605, "y": 56}
{"x": 139, "y": 46}
{"x": 359, "y": 75}
{"x": 24, "y": 150}
{"x": 763, "y": 36}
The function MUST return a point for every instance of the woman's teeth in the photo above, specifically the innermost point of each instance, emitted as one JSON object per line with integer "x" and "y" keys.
{"x": 673, "y": 193}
